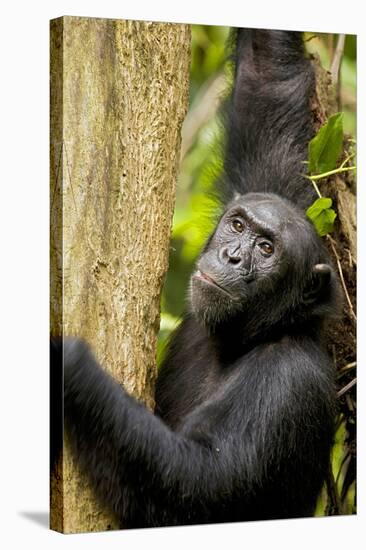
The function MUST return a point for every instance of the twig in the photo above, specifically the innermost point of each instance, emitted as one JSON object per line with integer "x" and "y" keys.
{"x": 347, "y": 159}
{"x": 351, "y": 259}
{"x": 337, "y": 59}
{"x": 331, "y": 173}
{"x": 336, "y": 67}
{"x": 341, "y": 276}
{"x": 337, "y": 258}
{"x": 316, "y": 188}
{"x": 347, "y": 368}
{"x": 347, "y": 387}
{"x": 311, "y": 38}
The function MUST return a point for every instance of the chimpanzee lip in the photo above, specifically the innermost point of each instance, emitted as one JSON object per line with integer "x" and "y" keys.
{"x": 208, "y": 279}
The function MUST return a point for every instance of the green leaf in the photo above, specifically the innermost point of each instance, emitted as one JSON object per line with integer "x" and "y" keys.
{"x": 322, "y": 215}
{"x": 325, "y": 148}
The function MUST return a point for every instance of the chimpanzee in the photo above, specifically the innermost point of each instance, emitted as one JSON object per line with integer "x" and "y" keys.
{"x": 245, "y": 399}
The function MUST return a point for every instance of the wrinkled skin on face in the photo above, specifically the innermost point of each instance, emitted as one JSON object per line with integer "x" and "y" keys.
{"x": 262, "y": 253}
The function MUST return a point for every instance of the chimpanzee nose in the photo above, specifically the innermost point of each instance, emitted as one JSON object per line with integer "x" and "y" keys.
{"x": 230, "y": 255}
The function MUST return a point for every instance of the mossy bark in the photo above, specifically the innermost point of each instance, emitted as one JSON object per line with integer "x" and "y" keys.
{"x": 119, "y": 94}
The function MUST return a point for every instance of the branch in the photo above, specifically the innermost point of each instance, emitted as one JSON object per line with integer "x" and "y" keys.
{"x": 347, "y": 368}
{"x": 337, "y": 59}
{"x": 347, "y": 387}
{"x": 336, "y": 67}
{"x": 341, "y": 276}
{"x": 331, "y": 173}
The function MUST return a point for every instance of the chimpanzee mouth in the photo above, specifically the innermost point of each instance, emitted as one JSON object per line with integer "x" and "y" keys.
{"x": 209, "y": 280}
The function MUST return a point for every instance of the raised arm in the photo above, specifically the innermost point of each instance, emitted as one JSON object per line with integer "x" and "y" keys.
{"x": 268, "y": 117}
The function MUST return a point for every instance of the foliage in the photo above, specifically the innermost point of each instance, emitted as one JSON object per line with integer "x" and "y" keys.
{"x": 322, "y": 215}
{"x": 326, "y": 147}
{"x": 324, "y": 151}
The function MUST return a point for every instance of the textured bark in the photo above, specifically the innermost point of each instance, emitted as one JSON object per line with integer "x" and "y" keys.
{"x": 119, "y": 93}
{"x": 342, "y": 332}
{"x": 342, "y": 191}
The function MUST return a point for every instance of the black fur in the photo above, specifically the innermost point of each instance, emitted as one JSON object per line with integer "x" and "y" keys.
{"x": 268, "y": 118}
{"x": 245, "y": 400}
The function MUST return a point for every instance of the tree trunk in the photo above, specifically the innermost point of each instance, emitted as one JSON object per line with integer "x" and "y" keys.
{"x": 342, "y": 332}
{"x": 119, "y": 93}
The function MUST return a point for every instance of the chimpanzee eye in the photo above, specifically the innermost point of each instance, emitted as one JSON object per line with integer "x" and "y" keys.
{"x": 237, "y": 225}
{"x": 266, "y": 247}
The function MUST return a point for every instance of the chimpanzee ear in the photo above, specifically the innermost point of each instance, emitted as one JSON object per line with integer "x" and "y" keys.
{"x": 320, "y": 280}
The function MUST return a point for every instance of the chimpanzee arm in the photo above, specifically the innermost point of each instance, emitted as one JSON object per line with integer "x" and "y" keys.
{"x": 264, "y": 422}
{"x": 268, "y": 118}
{"x": 126, "y": 450}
